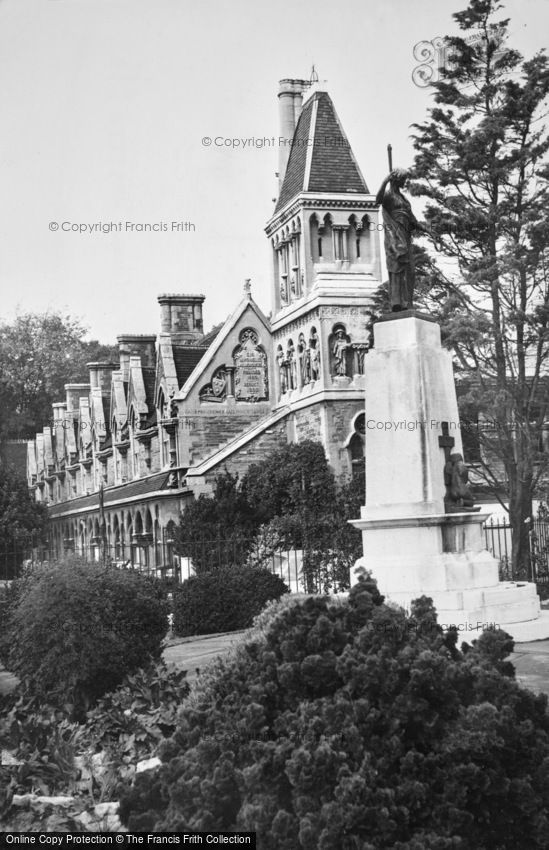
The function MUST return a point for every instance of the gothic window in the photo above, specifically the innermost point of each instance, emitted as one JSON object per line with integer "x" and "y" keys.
{"x": 326, "y": 232}
{"x": 355, "y": 446}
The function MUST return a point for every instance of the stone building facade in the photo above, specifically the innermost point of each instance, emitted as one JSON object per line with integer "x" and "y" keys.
{"x": 125, "y": 452}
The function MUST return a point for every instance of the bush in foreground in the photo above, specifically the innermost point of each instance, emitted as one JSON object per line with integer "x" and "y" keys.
{"x": 347, "y": 724}
{"x": 79, "y": 628}
{"x": 224, "y": 601}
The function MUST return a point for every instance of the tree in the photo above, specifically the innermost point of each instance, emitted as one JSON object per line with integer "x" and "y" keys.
{"x": 39, "y": 354}
{"x": 287, "y": 501}
{"x": 481, "y": 163}
{"x": 23, "y": 522}
{"x": 216, "y": 528}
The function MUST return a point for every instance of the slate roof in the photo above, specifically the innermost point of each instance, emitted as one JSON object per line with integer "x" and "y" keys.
{"x": 185, "y": 358}
{"x": 141, "y": 487}
{"x": 208, "y": 338}
{"x": 333, "y": 167}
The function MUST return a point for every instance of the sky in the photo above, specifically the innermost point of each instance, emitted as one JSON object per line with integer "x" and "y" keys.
{"x": 106, "y": 106}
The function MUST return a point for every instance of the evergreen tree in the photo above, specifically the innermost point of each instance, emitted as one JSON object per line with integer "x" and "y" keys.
{"x": 481, "y": 163}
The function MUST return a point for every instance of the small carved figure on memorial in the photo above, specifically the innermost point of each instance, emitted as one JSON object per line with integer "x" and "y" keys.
{"x": 399, "y": 224}
{"x": 459, "y": 497}
{"x": 339, "y": 350}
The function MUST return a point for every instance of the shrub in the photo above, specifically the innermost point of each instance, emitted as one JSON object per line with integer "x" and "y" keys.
{"x": 345, "y": 724}
{"x": 223, "y": 601}
{"x": 78, "y": 628}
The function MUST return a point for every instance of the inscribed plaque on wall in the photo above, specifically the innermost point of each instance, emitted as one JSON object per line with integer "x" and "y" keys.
{"x": 251, "y": 382}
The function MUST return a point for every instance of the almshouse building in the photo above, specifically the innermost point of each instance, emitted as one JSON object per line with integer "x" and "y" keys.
{"x": 125, "y": 452}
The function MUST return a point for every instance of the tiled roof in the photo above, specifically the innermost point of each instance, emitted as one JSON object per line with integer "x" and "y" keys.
{"x": 333, "y": 167}
{"x": 141, "y": 487}
{"x": 185, "y": 358}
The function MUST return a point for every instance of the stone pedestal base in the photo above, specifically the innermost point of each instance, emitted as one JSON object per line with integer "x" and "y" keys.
{"x": 411, "y": 547}
{"x": 443, "y": 556}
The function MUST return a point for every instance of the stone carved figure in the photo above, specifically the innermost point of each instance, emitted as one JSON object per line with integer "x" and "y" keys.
{"x": 304, "y": 361}
{"x": 292, "y": 366}
{"x": 399, "y": 224}
{"x": 459, "y": 497}
{"x": 282, "y": 370}
{"x": 339, "y": 351}
{"x": 314, "y": 355}
{"x": 174, "y": 410}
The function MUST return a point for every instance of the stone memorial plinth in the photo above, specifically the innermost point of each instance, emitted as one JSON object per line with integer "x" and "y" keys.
{"x": 412, "y": 545}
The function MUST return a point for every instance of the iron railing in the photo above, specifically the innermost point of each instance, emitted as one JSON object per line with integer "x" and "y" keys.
{"x": 301, "y": 571}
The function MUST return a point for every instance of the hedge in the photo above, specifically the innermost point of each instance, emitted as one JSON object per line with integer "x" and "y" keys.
{"x": 75, "y": 629}
{"x": 224, "y": 600}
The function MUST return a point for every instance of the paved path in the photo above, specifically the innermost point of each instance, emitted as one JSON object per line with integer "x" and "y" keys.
{"x": 531, "y": 660}
{"x": 194, "y": 653}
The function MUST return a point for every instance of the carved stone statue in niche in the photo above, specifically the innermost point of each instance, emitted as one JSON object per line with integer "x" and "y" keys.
{"x": 292, "y": 370}
{"x": 282, "y": 370}
{"x": 304, "y": 360}
{"x": 314, "y": 355}
{"x": 340, "y": 345}
{"x": 459, "y": 497}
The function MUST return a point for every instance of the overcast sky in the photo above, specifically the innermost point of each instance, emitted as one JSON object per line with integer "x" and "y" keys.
{"x": 104, "y": 107}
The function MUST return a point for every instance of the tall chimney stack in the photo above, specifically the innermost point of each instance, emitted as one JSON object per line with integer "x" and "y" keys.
{"x": 290, "y": 101}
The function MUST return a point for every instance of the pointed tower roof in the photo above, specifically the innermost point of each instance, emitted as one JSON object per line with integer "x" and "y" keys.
{"x": 321, "y": 159}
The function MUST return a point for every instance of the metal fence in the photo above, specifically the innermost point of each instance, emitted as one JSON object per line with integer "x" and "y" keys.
{"x": 303, "y": 569}
{"x": 499, "y": 542}
{"x": 300, "y": 569}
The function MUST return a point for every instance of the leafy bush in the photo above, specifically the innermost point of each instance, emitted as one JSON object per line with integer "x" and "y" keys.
{"x": 78, "y": 628}
{"x": 132, "y": 720}
{"x": 223, "y": 601}
{"x": 88, "y": 762}
{"x": 345, "y": 723}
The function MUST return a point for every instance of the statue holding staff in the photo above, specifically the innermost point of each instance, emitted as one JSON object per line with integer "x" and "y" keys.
{"x": 399, "y": 224}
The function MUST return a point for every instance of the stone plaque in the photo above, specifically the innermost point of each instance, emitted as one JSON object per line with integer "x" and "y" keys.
{"x": 250, "y": 360}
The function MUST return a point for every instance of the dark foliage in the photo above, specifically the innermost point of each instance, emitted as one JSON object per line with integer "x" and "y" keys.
{"x": 347, "y": 724}
{"x": 224, "y": 601}
{"x": 75, "y": 629}
{"x": 22, "y": 521}
{"x": 288, "y": 501}
{"x": 39, "y": 354}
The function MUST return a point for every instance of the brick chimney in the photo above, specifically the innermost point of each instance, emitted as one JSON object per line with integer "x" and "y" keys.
{"x": 290, "y": 101}
{"x": 181, "y": 317}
